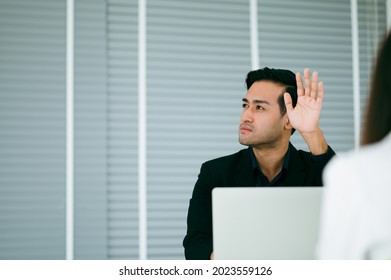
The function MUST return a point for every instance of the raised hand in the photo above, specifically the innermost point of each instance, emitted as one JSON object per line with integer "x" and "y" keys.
{"x": 306, "y": 114}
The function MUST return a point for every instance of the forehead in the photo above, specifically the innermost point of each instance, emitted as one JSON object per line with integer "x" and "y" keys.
{"x": 265, "y": 90}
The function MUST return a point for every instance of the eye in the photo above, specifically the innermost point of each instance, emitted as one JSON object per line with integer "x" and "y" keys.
{"x": 259, "y": 107}
{"x": 244, "y": 105}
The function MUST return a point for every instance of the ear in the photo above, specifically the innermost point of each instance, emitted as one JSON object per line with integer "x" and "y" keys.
{"x": 287, "y": 123}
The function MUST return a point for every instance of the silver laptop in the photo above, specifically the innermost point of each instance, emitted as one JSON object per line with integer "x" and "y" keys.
{"x": 273, "y": 223}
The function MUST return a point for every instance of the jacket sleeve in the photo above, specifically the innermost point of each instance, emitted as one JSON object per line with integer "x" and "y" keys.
{"x": 198, "y": 240}
{"x": 323, "y": 159}
{"x": 320, "y": 162}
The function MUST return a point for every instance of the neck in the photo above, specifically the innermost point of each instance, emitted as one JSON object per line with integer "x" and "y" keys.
{"x": 271, "y": 159}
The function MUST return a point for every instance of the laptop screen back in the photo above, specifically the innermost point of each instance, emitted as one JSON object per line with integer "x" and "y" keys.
{"x": 265, "y": 222}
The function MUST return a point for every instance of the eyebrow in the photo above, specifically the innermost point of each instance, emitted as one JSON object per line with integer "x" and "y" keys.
{"x": 257, "y": 101}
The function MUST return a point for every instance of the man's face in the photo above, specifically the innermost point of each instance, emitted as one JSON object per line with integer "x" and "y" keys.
{"x": 261, "y": 122}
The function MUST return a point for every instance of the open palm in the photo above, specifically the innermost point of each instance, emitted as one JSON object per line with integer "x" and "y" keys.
{"x": 306, "y": 114}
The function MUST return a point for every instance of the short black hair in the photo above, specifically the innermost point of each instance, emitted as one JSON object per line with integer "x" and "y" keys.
{"x": 279, "y": 76}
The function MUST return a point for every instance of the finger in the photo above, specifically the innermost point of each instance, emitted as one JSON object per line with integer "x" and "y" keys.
{"x": 299, "y": 84}
{"x": 314, "y": 85}
{"x": 288, "y": 102}
{"x": 307, "y": 82}
{"x": 320, "y": 92}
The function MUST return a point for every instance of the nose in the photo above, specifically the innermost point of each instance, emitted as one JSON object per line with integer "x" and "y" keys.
{"x": 247, "y": 116}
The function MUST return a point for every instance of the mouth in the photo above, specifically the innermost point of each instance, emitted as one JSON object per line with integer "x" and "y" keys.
{"x": 245, "y": 128}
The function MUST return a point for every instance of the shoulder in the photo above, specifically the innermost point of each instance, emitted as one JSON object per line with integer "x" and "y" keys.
{"x": 366, "y": 165}
{"x": 374, "y": 155}
{"x": 228, "y": 159}
{"x": 309, "y": 159}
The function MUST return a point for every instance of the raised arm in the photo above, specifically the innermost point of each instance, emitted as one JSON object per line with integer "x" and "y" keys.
{"x": 305, "y": 116}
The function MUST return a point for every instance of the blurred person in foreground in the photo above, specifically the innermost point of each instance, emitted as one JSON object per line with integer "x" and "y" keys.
{"x": 356, "y": 214}
{"x": 275, "y": 105}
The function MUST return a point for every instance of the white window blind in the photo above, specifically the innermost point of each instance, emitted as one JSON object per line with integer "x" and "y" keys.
{"x": 90, "y": 131}
{"x": 314, "y": 34}
{"x": 32, "y": 129}
{"x": 198, "y": 53}
{"x": 122, "y": 145}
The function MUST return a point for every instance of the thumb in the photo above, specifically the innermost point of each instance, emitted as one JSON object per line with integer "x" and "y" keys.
{"x": 288, "y": 102}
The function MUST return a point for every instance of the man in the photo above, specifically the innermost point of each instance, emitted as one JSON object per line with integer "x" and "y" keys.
{"x": 276, "y": 104}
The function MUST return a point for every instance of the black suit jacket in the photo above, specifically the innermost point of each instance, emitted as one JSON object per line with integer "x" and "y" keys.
{"x": 236, "y": 171}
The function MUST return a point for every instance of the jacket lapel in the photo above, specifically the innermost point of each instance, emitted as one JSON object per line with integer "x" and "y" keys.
{"x": 244, "y": 175}
{"x": 296, "y": 169}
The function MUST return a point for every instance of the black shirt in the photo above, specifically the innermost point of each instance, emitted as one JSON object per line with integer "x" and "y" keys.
{"x": 261, "y": 180}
